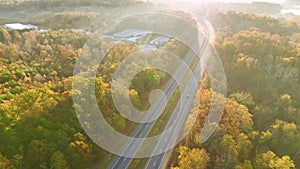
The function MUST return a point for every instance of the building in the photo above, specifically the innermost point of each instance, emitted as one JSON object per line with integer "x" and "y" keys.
{"x": 160, "y": 41}
{"x": 18, "y": 26}
{"x": 127, "y": 33}
{"x": 139, "y": 37}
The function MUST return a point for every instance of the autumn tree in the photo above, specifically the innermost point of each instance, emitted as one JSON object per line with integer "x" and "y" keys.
{"x": 193, "y": 158}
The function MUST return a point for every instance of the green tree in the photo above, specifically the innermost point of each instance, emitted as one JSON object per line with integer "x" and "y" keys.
{"x": 245, "y": 165}
{"x": 36, "y": 155}
{"x": 286, "y": 111}
{"x": 58, "y": 161}
{"x": 279, "y": 138}
{"x": 243, "y": 98}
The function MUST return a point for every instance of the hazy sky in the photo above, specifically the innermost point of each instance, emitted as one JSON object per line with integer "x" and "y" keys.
{"x": 245, "y": 1}
{"x": 199, "y": 1}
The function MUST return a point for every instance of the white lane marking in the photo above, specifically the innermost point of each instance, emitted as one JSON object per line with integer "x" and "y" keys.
{"x": 140, "y": 135}
{"x": 133, "y": 146}
{"x": 124, "y": 159}
{"x": 154, "y": 164}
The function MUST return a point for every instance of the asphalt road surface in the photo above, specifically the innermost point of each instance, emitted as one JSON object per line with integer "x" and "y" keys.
{"x": 143, "y": 129}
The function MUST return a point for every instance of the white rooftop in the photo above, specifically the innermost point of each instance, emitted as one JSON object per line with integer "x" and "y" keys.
{"x": 18, "y": 26}
{"x": 160, "y": 40}
{"x": 131, "y": 33}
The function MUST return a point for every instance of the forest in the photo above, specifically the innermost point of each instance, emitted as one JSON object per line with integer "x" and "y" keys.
{"x": 260, "y": 124}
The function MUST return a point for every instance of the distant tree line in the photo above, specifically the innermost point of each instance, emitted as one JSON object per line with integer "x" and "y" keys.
{"x": 52, "y": 3}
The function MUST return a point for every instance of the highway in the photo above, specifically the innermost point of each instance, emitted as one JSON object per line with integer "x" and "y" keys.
{"x": 143, "y": 129}
{"x": 178, "y": 119}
